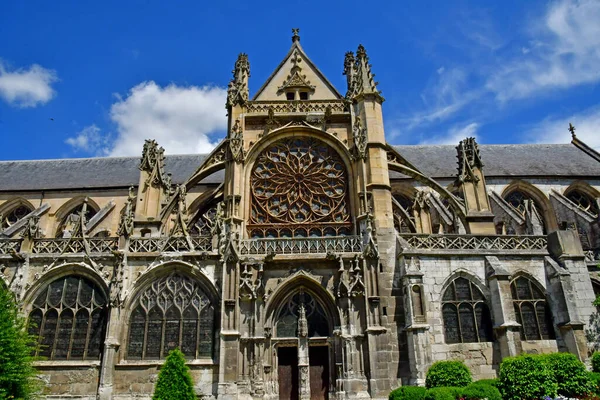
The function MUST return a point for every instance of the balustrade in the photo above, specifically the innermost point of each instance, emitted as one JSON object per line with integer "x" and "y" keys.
{"x": 310, "y": 245}
{"x": 8, "y": 246}
{"x": 74, "y": 245}
{"x": 473, "y": 242}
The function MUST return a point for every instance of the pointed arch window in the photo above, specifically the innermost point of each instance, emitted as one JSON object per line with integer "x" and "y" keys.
{"x": 465, "y": 313}
{"x": 69, "y": 224}
{"x": 299, "y": 188}
{"x": 583, "y": 201}
{"x": 174, "y": 312}
{"x": 287, "y": 320}
{"x": 531, "y": 310}
{"x": 204, "y": 219}
{"x": 69, "y": 320}
{"x": 404, "y": 220}
{"x": 14, "y": 215}
{"x": 525, "y": 204}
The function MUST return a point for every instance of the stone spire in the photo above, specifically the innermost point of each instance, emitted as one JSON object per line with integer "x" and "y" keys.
{"x": 237, "y": 91}
{"x": 361, "y": 81}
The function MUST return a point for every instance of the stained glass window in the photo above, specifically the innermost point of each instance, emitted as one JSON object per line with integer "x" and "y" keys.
{"x": 174, "y": 312}
{"x": 531, "y": 309}
{"x": 69, "y": 319}
{"x": 68, "y": 225}
{"x": 13, "y": 216}
{"x": 204, "y": 219}
{"x": 583, "y": 201}
{"x": 465, "y": 313}
{"x": 287, "y": 320}
{"x": 299, "y": 188}
{"x": 519, "y": 199}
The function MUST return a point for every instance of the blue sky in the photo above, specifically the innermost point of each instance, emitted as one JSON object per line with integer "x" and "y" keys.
{"x": 82, "y": 78}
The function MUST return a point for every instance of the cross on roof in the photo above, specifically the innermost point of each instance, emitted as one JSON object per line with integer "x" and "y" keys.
{"x": 572, "y": 130}
{"x": 295, "y": 36}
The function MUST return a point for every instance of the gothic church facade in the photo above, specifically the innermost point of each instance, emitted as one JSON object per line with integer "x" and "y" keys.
{"x": 305, "y": 257}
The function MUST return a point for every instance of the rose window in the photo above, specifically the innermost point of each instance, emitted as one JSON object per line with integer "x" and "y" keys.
{"x": 299, "y": 188}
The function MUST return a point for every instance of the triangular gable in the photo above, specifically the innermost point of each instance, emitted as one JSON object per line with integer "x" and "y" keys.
{"x": 297, "y": 71}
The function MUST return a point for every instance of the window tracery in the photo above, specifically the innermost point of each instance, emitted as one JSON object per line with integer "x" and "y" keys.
{"x": 69, "y": 319}
{"x": 204, "y": 220}
{"x": 527, "y": 206}
{"x": 13, "y": 216}
{"x": 287, "y": 320}
{"x": 299, "y": 188}
{"x": 583, "y": 201}
{"x": 403, "y": 214}
{"x": 465, "y": 313}
{"x": 174, "y": 312}
{"x": 68, "y": 225}
{"x": 531, "y": 310}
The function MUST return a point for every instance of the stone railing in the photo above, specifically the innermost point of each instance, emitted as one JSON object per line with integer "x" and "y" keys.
{"x": 172, "y": 243}
{"x": 592, "y": 257}
{"x": 311, "y": 245}
{"x": 472, "y": 242}
{"x": 74, "y": 245}
{"x": 306, "y": 106}
{"x": 8, "y": 246}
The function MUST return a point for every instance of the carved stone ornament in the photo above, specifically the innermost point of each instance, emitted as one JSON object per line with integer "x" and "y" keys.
{"x": 296, "y": 80}
{"x": 359, "y": 77}
{"x": 271, "y": 122}
{"x": 468, "y": 160}
{"x": 32, "y": 230}
{"x": 236, "y": 142}
{"x": 359, "y": 135}
{"x": 237, "y": 91}
{"x": 153, "y": 162}
{"x": 370, "y": 249}
{"x": 302, "y": 322}
{"x": 357, "y": 285}
{"x": 250, "y": 289}
{"x": 126, "y": 223}
{"x": 116, "y": 283}
{"x": 181, "y": 219}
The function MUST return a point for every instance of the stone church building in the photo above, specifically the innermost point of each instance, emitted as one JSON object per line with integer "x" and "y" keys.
{"x": 305, "y": 257}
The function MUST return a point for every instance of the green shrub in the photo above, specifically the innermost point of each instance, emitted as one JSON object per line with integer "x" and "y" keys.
{"x": 596, "y": 361}
{"x": 571, "y": 375}
{"x": 408, "y": 393}
{"x": 174, "y": 380}
{"x": 526, "y": 377}
{"x": 17, "y": 375}
{"x": 480, "y": 391}
{"x": 595, "y": 380}
{"x": 492, "y": 382}
{"x": 443, "y": 393}
{"x": 448, "y": 373}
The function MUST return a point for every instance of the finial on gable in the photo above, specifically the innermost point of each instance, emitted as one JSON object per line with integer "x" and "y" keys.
{"x": 295, "y": 36}
{"x": 359, "y": 76}
{"x": 572, "y": 130}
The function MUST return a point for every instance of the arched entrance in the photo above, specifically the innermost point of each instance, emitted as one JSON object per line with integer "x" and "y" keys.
{"x": 304, "y": 346}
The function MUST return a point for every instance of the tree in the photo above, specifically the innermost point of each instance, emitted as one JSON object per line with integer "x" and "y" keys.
{"x": 17, "y": 374}
{"x": 174, "y": 380}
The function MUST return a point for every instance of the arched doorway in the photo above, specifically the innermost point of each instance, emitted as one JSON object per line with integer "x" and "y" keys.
{"x": 304, "y": 347}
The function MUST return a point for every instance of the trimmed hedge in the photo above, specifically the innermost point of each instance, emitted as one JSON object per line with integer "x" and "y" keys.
{"x": 408, "y": 393}
{"x": 526, "y": 377}
{"x": 595, "y": 380}
{"x": 571, "y": 375}
{"x": 480, "y": 391}
{"x": 596, "y": 361}
{"x": 492, "y": 382}
{"x": 448, "y": 374}
{"x": 443, "y": 393}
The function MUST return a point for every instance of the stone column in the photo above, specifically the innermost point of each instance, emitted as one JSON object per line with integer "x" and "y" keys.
{"x": 303, "y": 360}
{"x": 503, "y": 311}
{"x": 111, "y": 346}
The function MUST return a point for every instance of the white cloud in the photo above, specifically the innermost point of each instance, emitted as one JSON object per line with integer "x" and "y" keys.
{"x": 567, "y": 53}
{"x": 179, "y": 118}
{"x": 27, "y": 87}
{"x": 454, "y": 135}
{"x": 555, "y": 130}
{"x": 90, "y": 140}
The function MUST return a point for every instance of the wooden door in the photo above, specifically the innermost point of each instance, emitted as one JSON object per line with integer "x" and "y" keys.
{"x": 319, "y": 372}
{"x": 287, "y": 371}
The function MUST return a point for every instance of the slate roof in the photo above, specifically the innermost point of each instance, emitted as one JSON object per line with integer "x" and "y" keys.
{"x": 528, "y": 160}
